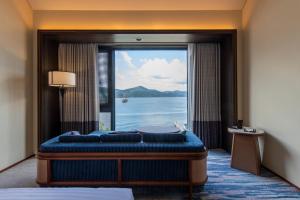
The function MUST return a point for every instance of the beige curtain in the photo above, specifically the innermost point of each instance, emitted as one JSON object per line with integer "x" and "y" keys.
{"x": 81, "y": 105}
{"x": 204, "y": 93}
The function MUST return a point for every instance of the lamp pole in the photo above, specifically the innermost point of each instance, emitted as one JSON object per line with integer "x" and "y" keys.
{"x": 62, "y": 80}
{"x": 62, "y": 95}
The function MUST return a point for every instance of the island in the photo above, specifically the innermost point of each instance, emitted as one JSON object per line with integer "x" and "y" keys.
{"x": 141, "y": 91}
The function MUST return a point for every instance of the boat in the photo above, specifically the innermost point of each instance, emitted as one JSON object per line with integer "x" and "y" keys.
{"x": 125, "y": 99}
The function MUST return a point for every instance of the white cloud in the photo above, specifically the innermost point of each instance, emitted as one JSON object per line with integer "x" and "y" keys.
{"x": 127, "y": 59}
{"x": 156, "y": 73}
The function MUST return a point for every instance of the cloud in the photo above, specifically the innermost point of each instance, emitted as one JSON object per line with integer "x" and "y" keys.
{"x": 127, "y": 59}
{"x": 181, "y": 82}
{"x": 160, "y": 77}
{"x": 155, "y": 73}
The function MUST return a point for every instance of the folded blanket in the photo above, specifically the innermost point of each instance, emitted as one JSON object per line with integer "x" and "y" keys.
{"x": 65, "y": 138}
{"x": 121, "y": 137}
{"x": 164, "y": 137}
{"x": 123, "y": 132}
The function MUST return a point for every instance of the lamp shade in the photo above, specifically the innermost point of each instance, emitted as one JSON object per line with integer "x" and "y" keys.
{"x": 61, "y": 79}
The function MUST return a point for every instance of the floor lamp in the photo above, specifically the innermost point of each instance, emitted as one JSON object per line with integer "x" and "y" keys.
{"x": 62, "y": 80}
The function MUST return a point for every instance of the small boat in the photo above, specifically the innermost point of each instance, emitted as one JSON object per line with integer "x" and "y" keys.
{"x": 124, "y": 100}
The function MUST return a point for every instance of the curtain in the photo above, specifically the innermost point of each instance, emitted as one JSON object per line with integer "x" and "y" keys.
{"x": 81, "y": 105}
{"x": 204, "y": 95}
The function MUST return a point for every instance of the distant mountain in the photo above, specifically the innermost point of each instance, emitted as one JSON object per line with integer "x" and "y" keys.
{"x": 141, "y": 91}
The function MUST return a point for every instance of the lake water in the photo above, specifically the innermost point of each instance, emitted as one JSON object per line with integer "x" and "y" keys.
{"x": 139, "y": 112}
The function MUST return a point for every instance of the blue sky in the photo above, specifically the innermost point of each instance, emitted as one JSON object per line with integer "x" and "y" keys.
{"x": 164, "y": 70}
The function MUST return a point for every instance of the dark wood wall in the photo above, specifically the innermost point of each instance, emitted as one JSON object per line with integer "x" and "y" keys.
{"x": 48, "y": 97}
{"x": 228, "y": 88}
{"x": 48, "y": 40}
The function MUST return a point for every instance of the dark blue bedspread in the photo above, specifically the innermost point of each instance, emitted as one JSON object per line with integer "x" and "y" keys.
{"x": 192, "y": 144}
{"x": 107, "y": 170}
{"x": 132, "y": 170}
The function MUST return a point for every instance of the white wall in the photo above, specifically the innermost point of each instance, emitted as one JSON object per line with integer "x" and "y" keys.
{"x": 15, "y": 81}
{"x": 272, "y": 80}
{"x": 137, "y": 20}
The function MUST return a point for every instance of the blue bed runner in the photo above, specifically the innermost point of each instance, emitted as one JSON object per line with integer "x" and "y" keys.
{"x": 192, "y": 144}
{"x": 132, "y": 170}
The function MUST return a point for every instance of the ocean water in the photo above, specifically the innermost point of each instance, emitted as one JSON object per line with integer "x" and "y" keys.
{"x": 139, "y": 112}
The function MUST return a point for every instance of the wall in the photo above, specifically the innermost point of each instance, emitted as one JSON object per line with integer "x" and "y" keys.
{"x": 137, "y": 19}
{"x": 272, "y": 83}
{"x": 15, "y": 81}
{"x": 271, "y": 66}
{"x": 116, "y": 20}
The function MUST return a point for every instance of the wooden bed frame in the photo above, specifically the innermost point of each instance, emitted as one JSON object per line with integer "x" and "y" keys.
{"x": 197, "y": 169}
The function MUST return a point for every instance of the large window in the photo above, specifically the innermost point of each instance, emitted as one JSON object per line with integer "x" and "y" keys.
{"x": 150, "y": 87}
{"x": 103, "y": 60}
{"x": 105, "y": 73}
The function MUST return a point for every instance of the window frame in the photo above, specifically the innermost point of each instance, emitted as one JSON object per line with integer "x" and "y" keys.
{"x": 110, "y": 49}
{"x": 109, "y": 107}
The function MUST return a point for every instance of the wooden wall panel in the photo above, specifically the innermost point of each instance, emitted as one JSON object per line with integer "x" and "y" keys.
{"x": 48, "y": 97}
{"x": 228, "y": 88}
{"x": 48, "y": 40}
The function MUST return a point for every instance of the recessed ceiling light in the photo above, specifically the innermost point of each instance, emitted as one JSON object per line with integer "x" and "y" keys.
{"x": 139, "y": 39}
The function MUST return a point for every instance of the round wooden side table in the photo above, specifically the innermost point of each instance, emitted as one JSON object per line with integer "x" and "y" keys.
{"x": 245, "y": 153}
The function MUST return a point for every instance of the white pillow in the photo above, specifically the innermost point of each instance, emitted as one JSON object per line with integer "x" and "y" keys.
{"x": 180, "y": 127}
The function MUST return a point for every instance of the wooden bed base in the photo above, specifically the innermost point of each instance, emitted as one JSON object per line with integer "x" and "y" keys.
{"x": 196, "y": 161}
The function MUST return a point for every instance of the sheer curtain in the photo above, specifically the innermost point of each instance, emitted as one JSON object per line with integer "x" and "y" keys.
{"x": 81, "y": 104}
{"x": 204, "y": 93}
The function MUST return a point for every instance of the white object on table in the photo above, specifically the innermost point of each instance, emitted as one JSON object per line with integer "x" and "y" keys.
{"x": 241, "y": 131}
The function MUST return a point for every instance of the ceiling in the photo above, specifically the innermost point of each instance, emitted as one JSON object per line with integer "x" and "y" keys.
{"x": 126, "y": 5}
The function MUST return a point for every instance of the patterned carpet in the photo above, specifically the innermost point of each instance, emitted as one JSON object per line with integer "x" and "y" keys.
{"x": 227, "y": 183}
{"x": 223, "y": 183}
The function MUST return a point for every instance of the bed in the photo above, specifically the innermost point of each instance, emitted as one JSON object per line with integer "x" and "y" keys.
{"x": 66, "y": 194}
{"x": 114, "y": 164}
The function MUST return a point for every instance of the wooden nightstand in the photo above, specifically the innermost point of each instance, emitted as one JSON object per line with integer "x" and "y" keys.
{"x": 245, "y": 154}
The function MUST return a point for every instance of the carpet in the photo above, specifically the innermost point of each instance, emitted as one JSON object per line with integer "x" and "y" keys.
{"x": 223, "y": 183}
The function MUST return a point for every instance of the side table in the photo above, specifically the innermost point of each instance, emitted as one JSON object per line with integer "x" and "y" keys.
{"x": 245, "y": 154}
